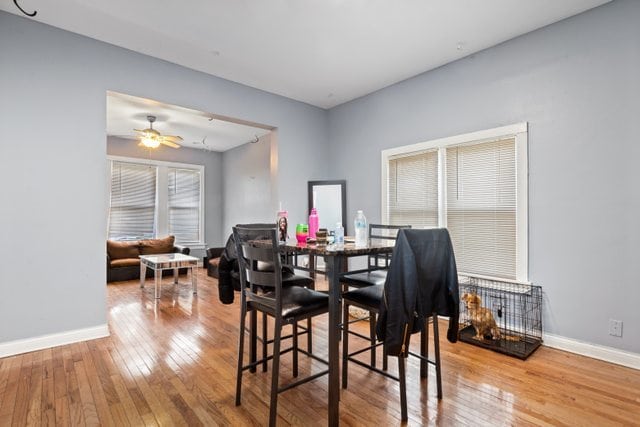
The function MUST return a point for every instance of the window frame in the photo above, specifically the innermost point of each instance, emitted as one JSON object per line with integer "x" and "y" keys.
{"x": 162, "y": 193}
{"x": 519, "y": 132}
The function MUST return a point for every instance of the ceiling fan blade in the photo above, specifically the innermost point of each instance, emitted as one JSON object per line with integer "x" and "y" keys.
{"x": 169, "y": 143}
{"x": 172, "y": 138}
{"x": 124, "y": 136}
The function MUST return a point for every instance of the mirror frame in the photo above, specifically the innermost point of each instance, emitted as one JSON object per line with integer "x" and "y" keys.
{"x": 343, "y": 187}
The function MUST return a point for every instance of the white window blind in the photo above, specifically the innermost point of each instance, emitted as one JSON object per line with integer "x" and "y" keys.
{"x": 481, "y": 207}
{"x": 184, "y": 204}
{"x": 133, "y": 201}
{"x": 413, "y": 189}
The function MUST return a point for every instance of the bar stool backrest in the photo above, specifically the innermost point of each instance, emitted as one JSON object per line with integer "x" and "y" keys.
{"x": 260, "y": 264}
{"x": 382, "y": 233}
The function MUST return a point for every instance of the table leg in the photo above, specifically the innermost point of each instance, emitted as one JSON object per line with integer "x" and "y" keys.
{"x": 334, "y": 267}
{"x": 143, "y": 273}
{"x": 312, "y": 266}
{"x": 194, "y": 279}
{"x": 175, "y": 276}
{"x": 158, "y": 278}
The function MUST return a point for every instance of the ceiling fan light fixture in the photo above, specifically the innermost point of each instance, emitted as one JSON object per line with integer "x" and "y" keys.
{"x": 151, "y": 138}
{"x": 150, "y": 142}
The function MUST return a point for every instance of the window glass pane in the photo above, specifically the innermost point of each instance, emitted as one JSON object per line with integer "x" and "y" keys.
{"x": 184, "y": 205}
{"x": 481, "y": 207}
{"x": 133, "y": 201}
{"x": 413, "y": 189}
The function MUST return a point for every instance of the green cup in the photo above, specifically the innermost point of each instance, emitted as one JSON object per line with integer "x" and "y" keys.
{"x": 302, "y": 231}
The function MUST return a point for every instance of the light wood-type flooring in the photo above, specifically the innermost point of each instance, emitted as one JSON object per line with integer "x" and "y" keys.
{"x": 173, "y": 363}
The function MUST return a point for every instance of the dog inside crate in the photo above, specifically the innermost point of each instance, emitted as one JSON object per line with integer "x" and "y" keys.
{"x": 481, "y": 318}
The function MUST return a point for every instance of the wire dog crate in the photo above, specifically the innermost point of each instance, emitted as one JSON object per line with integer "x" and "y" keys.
{"x": 500, "y": 315}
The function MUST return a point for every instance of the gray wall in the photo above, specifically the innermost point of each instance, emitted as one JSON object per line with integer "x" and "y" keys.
{"x": 212, "y": 162}
{"x": 247, "y": 185}
{"x": 52, "y": 160}
{"x": 577, "y": 84}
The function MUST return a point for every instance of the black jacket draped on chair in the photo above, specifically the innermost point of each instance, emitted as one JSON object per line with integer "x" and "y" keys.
{"x": 422, "y": 280}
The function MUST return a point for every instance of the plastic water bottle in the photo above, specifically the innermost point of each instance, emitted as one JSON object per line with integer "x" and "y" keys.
{"x": 313, "y": 223}
{"x": 339, "y": 234}
{"x": 360, "y": 225}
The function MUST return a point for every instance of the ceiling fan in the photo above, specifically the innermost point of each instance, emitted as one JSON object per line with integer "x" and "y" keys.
{"x": 151, "y": 138}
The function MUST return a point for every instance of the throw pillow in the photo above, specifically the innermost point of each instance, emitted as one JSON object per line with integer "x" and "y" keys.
{"x": 120, "y": 250}
{"x": 157, "y": 246}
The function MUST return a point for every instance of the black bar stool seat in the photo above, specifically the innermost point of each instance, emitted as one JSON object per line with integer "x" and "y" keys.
{"x": 297, "y": 302}
{"x": 365, "y": 278}
{"x": 370, "y": 296}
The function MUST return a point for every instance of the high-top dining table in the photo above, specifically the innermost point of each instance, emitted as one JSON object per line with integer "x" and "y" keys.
{"x": 335, "y": 257}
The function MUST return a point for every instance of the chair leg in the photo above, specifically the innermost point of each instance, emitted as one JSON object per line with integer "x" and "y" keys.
{"x": 309, "y": 337}
{"x": 372, "y": 337}
{"x": 403, "y": 388}
{"x": 275, "y": 371}
{"x": 253, "y": 337}
{"x": 424, "y": 350}
{"x": 243, "y": 318}
{"x": 436, "y": 348}
{"x": 385, "y": 358}
{"x": 345, "y": 343}
{"x": 295, "y": 349}
{"x": 265, "y": 338}
{"x": 309, "y": 334}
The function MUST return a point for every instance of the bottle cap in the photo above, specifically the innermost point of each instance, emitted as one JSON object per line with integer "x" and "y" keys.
{"x": 359, "y": 211}
{"x": 338, "y": 224}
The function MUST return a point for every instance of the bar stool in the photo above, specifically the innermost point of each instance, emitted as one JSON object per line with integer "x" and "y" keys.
{"x": 263, "y": 291}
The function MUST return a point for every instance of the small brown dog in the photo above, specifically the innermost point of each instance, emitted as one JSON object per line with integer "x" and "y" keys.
{"x": 481, "y": 317}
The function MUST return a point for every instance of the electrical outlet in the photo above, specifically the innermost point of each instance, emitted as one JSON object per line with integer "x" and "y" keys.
{"x": 615, "y": 327}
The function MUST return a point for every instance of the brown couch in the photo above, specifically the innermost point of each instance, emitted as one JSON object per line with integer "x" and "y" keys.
{"x": 123, "y": 258}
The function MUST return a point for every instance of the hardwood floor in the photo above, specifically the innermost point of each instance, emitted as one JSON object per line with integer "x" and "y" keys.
{"x": 173, "y": 363}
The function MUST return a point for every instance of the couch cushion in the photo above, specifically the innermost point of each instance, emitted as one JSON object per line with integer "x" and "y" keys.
{"x": 119, "y": 250}
{"x": 157, "y": 246}
{"x": 125, "y": 262}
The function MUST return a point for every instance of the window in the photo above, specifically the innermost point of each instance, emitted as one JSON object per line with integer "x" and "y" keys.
{"x": 155, "y": 199}
{"x": 481, "y": 206}
{"x": 133, "y": 201}
{"x": 473, "y": 184}
{"x": 413, "y": 189}
{"x": 184, "y": 205}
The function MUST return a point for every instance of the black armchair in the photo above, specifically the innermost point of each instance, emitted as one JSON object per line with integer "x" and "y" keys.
{"x": 212, "y": 261}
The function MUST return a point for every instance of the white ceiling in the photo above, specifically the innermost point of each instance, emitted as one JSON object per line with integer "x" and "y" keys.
{"x": 126, "y": 112}
{"x": 323, "y": 52}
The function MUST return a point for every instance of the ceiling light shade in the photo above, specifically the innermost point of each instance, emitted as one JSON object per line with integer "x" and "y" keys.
{"x": 150, "y": 142}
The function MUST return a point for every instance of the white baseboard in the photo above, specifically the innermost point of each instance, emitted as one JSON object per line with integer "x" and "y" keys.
{"x": 607, "y": 354}
{"x": 52, "y": 340}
